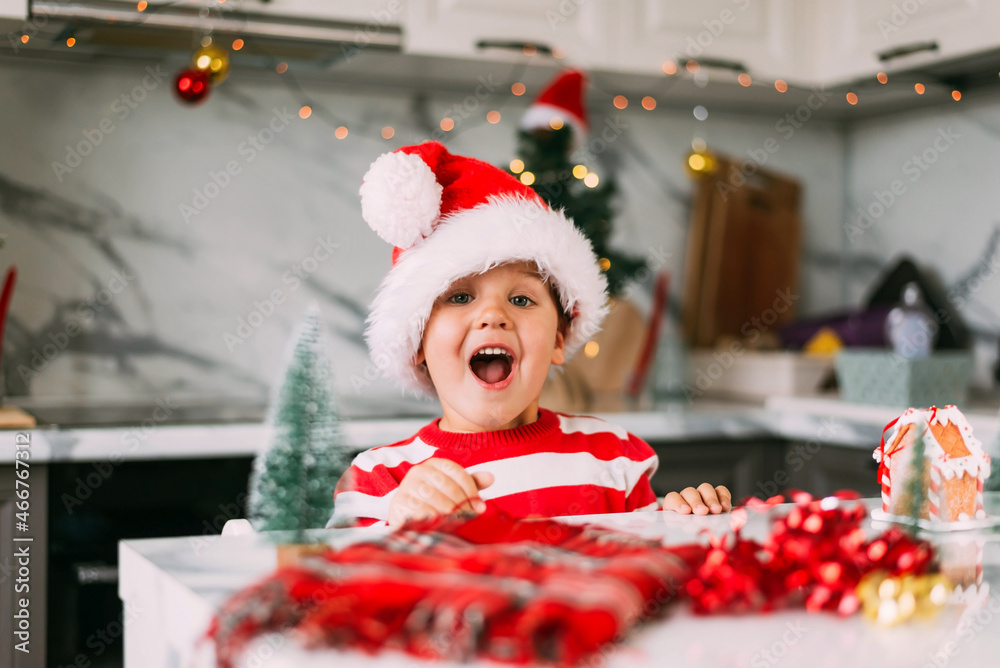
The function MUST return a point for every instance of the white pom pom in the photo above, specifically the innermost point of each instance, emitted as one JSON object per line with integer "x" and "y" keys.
{"x": 400, "y": 198}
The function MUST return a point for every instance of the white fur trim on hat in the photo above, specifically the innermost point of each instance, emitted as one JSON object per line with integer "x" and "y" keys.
{"x": 506, "y": 229}
{"x": 540, "y": 116}
{"x": 400, "y": 198}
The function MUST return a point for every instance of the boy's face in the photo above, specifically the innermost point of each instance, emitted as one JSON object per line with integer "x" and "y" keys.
{"x": 508, "y": 307}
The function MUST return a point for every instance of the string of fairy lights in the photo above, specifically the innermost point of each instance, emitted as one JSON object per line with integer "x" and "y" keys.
{"x": 210, "y": 65}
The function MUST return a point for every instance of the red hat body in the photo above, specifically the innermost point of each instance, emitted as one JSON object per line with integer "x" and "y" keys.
{"x": 467, "y": 182}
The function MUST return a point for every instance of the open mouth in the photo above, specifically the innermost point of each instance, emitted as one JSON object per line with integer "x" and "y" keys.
{"x": 492, "y": 364}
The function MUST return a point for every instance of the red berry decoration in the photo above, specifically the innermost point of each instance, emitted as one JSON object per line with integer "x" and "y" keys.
{"x": 192, "y": 86}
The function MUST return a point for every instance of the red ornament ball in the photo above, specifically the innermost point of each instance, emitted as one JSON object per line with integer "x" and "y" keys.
{"x": 192, "y": 86}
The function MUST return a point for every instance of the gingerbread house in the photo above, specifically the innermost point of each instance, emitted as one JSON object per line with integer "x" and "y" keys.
{"x": 955, "y": 465}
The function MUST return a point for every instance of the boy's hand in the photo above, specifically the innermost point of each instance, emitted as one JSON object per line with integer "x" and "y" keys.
{"x": 703, "y": 500}
{"x": 437, "y": 487}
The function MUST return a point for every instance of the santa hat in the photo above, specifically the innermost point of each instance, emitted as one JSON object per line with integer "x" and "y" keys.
{"x": 563, "y": 99}
{"x": 447, "y": 217}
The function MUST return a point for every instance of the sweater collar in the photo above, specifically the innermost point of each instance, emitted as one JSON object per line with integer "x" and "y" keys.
{"x": 546, "y": 423}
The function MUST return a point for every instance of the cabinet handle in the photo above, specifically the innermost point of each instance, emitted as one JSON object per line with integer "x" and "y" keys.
{"x": 91, "y": 573}
{"x": 718, "y": 63}
{"x": 512, "y": 45}
{"x": 906, "y": 50}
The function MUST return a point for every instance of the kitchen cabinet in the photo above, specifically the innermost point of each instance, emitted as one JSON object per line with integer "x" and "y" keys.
{"x": 93, "y": 505}
{"x": 851, "y": 35}
{"x": 765, "y": 467}
{"x": 16, "y": 10}
{"x": 739, "y": 465}
{"x": 822, "y": 469}
{"x": 808, "y": 42}
{"x": 376, "y": 12}
{"x": 457, "y": 27}
{"x": 607, "y": 35}
{"x": 760, "y": 35}
{"x": 23, "y": 564}
{"x": 364, "y": 15}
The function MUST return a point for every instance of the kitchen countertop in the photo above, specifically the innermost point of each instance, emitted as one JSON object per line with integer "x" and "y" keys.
{"x": 825, "y": 420}
{"x": 172, "y": 587}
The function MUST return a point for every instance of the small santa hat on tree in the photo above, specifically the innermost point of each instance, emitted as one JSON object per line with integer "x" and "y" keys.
{"x": 562, "y": 99}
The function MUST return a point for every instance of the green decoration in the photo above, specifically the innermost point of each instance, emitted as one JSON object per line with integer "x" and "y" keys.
{"x": 915, "y": 485}
{"x": 546, "y": 155}
{"x": 291, "y": 487}
{"x": 992, "y": 483}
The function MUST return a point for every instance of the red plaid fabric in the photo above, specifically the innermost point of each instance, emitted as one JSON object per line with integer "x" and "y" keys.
{"x": 523, "y": 591}
{"x": 516, "y": 591}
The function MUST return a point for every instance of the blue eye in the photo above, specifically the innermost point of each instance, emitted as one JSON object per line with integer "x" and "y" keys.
{"x": 460, "y": 298}
{"x": 516, "y": 301}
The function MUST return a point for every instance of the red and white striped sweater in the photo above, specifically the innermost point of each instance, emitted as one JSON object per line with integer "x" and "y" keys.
{"x": 557, "y": 465}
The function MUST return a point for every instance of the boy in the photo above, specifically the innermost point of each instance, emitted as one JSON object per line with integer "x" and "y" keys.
{"x": 489, "y": 288}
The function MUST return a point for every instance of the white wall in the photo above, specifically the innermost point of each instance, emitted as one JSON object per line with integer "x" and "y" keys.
{"x": 69, "y": 231}
{"x": 946, "y": 204}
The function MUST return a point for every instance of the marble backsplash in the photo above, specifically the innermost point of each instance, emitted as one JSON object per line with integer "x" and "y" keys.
{"x": 924, "y": 184}
{"x": 167, "y": 251}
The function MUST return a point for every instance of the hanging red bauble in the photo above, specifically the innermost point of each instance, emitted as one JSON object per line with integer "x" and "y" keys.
{"x": 192, "y": 86}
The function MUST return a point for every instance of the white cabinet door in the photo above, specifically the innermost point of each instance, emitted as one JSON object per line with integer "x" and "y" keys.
{"x": 14, "y": 9}
{"x": 760, "y": 35}
{"x": 376, "y": 12}
{"x": 854, "y": 36}
{"x": 361, "y": 21}
{"x": 579, "y": 28}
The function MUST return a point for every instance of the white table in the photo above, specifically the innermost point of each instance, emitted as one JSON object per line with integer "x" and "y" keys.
{"x": 171, "y": 588}
{"x": 820, "y": 419}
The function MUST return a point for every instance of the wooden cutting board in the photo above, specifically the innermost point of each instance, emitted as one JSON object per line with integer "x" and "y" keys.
{"x": 15, "y": 418}
{"x": 742, "y": 254}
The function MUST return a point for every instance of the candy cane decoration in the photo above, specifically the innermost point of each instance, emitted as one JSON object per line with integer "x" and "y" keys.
{"x": 980, "y": 512}
{"x": 883, "y": 468}
{"x": 886, "y": 492}
{"x": 933, "y": 498}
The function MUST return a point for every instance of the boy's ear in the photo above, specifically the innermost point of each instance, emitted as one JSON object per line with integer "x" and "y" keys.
{"x": 559, "y": 353}
{"x": 419, "y": 358}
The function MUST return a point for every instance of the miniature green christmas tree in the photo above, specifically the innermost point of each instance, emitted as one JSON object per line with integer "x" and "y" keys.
{"x": 915, "y": 485}
{"x": 546, "y": 155}
{"x": 993, "y": 482}
{"x": 291, "y": 487}
{"x": 550, "y": 143}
